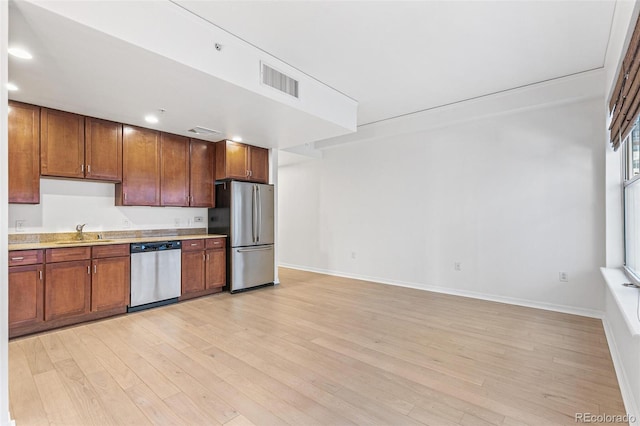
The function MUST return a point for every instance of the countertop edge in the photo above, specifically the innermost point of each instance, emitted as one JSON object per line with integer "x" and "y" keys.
{"x": 53, "y": 244}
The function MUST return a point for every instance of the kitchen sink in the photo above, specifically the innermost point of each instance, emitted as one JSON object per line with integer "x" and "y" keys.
{"x": 82, "y": 242}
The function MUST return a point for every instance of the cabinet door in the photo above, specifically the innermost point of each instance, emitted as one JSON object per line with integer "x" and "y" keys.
{"x": 110, "y": 283}
{"x": 24, "y": 153}
{"x": 67, "y": 289}
{"x": 103, "y": 149}
{"x": 232, "y": 160}
{"x": 174, "y": 170}
{"x": 192, "y": 271}
{"x": 26, "y": 285}
{"x": 259, "y": 160}
{"x": 61, "y": 144}
{"x": 216, "y": 268}
{"x": 140, "y": 168}
{"x": 201, "y": 182}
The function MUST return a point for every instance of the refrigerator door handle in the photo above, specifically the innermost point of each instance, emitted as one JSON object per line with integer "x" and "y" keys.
{"x": 249, "y": 250}
{"x": 254, "y": 214}
{"x": 259, "y": 211}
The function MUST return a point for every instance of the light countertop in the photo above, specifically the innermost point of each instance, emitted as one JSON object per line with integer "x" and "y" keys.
{"x": 97, "y": 242}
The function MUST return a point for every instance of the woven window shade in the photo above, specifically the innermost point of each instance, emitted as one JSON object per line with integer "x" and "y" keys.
{"x": 624, "y": 105}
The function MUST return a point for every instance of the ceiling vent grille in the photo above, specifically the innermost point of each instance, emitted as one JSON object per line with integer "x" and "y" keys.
{"x": 199, "y": 130}
{"x": 279, "y": 81}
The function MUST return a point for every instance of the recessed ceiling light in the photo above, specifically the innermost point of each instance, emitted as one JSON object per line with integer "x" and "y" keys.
{"x": 237, "y": 139}
{"x": 20, "y": 53}
{"x": 11, "y": 87}
{"x": 151, "y": 119}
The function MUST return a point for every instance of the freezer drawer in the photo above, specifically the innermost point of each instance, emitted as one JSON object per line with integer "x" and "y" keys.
{"x": 251, "y": 267}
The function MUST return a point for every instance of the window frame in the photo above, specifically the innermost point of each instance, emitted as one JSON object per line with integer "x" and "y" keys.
{"x": 627, "y": 181}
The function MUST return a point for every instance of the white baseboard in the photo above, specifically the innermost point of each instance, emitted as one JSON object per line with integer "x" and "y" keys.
{"x": 625, "y": 388}
{"x": 591, "y": 313}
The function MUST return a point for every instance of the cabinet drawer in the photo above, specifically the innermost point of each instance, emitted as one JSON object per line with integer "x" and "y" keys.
{"x": 214, "y": 243}
{"x": 112, "y": 250}
{"x": 67, "y": 254}
{"x": 192, "y": 245}
{"x": 25, "y": 257}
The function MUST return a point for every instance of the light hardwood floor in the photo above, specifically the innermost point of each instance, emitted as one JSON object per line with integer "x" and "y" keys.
{"x": 318, "y": 350}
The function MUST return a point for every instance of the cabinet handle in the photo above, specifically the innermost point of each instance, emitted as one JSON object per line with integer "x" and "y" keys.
{"x": 250, "y": 173}
{"x": 40, "y": 275}
{"x": 89, "y": 270}
{"x": 194, "y": 244}
{"x": 89, "y": 169}
{"x": 125, "y": 196}
{"x": 204, "y": 257}
{"x": 17, "y": 258}
{"x": 82, "y": 168}
{"x": 95, "y": 269}
{"x": 208, "y": 258}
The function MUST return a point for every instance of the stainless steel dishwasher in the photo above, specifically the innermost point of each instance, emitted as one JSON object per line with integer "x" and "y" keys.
{"x": 155, "y": 274}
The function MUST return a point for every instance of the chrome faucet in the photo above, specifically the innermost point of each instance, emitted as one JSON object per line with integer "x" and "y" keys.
{"x": 79, "y": 229}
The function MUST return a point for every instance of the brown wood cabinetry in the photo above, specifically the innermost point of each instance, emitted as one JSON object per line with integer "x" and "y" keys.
{"x": 236, "y": 160}
{"x": 26, "y": 289}
{"x": 103, "y": 149}
{"x": 140, "y": 168}
{"x": 67, "y": 289}
{"x": 201, "y": 174}
{"x": 110, "y": 282}
{"x": 174, "y": 170}
{"x": 203, "y": 267}
{"x": 61, "y": 144}
{"x": 24, "y": 153}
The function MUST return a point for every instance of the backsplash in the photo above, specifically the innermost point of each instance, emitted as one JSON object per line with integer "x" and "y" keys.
{"x": 67, "y": 203}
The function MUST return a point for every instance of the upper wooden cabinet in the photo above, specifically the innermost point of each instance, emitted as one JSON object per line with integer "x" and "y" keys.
{"x": 243, "y": 162}
{"x": 140, "y": 168}
{"x": 201, "y": 174}
{"x": 75, "y": 146}
{"x": 61, "y": 144}
{"x": 24, "y": 153}
{"x": 103, "y": 149}
{"x": 174, "y": 170}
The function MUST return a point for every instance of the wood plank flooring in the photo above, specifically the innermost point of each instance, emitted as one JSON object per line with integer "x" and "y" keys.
{"x": 318, "y": 350}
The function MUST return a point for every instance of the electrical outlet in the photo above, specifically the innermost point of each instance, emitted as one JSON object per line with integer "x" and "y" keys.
{"x": 198, "y": 219}
{"x": 457, "y": 266}
{"x": 126, "y": 223}
{"x": 563, "y": 276}
{"x": 20, "y": 225}
{"x": 353, "y": 254}
{"x": 176, "y": 222}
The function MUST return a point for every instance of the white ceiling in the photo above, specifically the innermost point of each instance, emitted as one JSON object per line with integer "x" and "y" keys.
{"x": 393, "y": 57}
{"x": 398, "y": 57}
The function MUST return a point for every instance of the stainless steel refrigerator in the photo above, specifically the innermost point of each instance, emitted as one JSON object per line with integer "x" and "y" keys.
{"x": 244, "y": 212}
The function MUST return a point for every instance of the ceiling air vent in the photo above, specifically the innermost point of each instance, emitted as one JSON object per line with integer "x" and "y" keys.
{"x": 199, "y": 130}
{"x": 279, "y": 81}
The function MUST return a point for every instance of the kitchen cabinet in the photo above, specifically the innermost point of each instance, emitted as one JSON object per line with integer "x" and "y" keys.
{"x": 203, "y": 267}
{"x": 239, "y": 161}
{"x": 174, "y": 170}
{"x": 74, "y": 146}
{"x": 103, "y": 150}
{"x": 68, "y": 283}
{"x": 61, "y": 144}
{"x": 24, "y": 153}
{"x": 140, "y": 168}
{"x": 25, "y": 289}
{"x": 201, "y": 174}
{"x": 215, "y": 263}
{"x": 110, "y": 280}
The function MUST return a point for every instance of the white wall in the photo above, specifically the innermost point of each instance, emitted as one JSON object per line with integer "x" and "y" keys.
{"x": 515, "y": 198}
{"x": 66, "y": 203}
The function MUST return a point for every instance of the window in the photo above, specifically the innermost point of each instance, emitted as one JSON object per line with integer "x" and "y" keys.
{"x": 632, "y": 201}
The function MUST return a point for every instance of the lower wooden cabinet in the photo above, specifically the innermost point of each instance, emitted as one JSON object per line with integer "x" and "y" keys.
{"x": 203, "y": 267}
{"x": 67, "y": 289}
{"x": 26, "y": 292}
{"x": 110, "y": 283}
{"x": 62, "y": 286}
